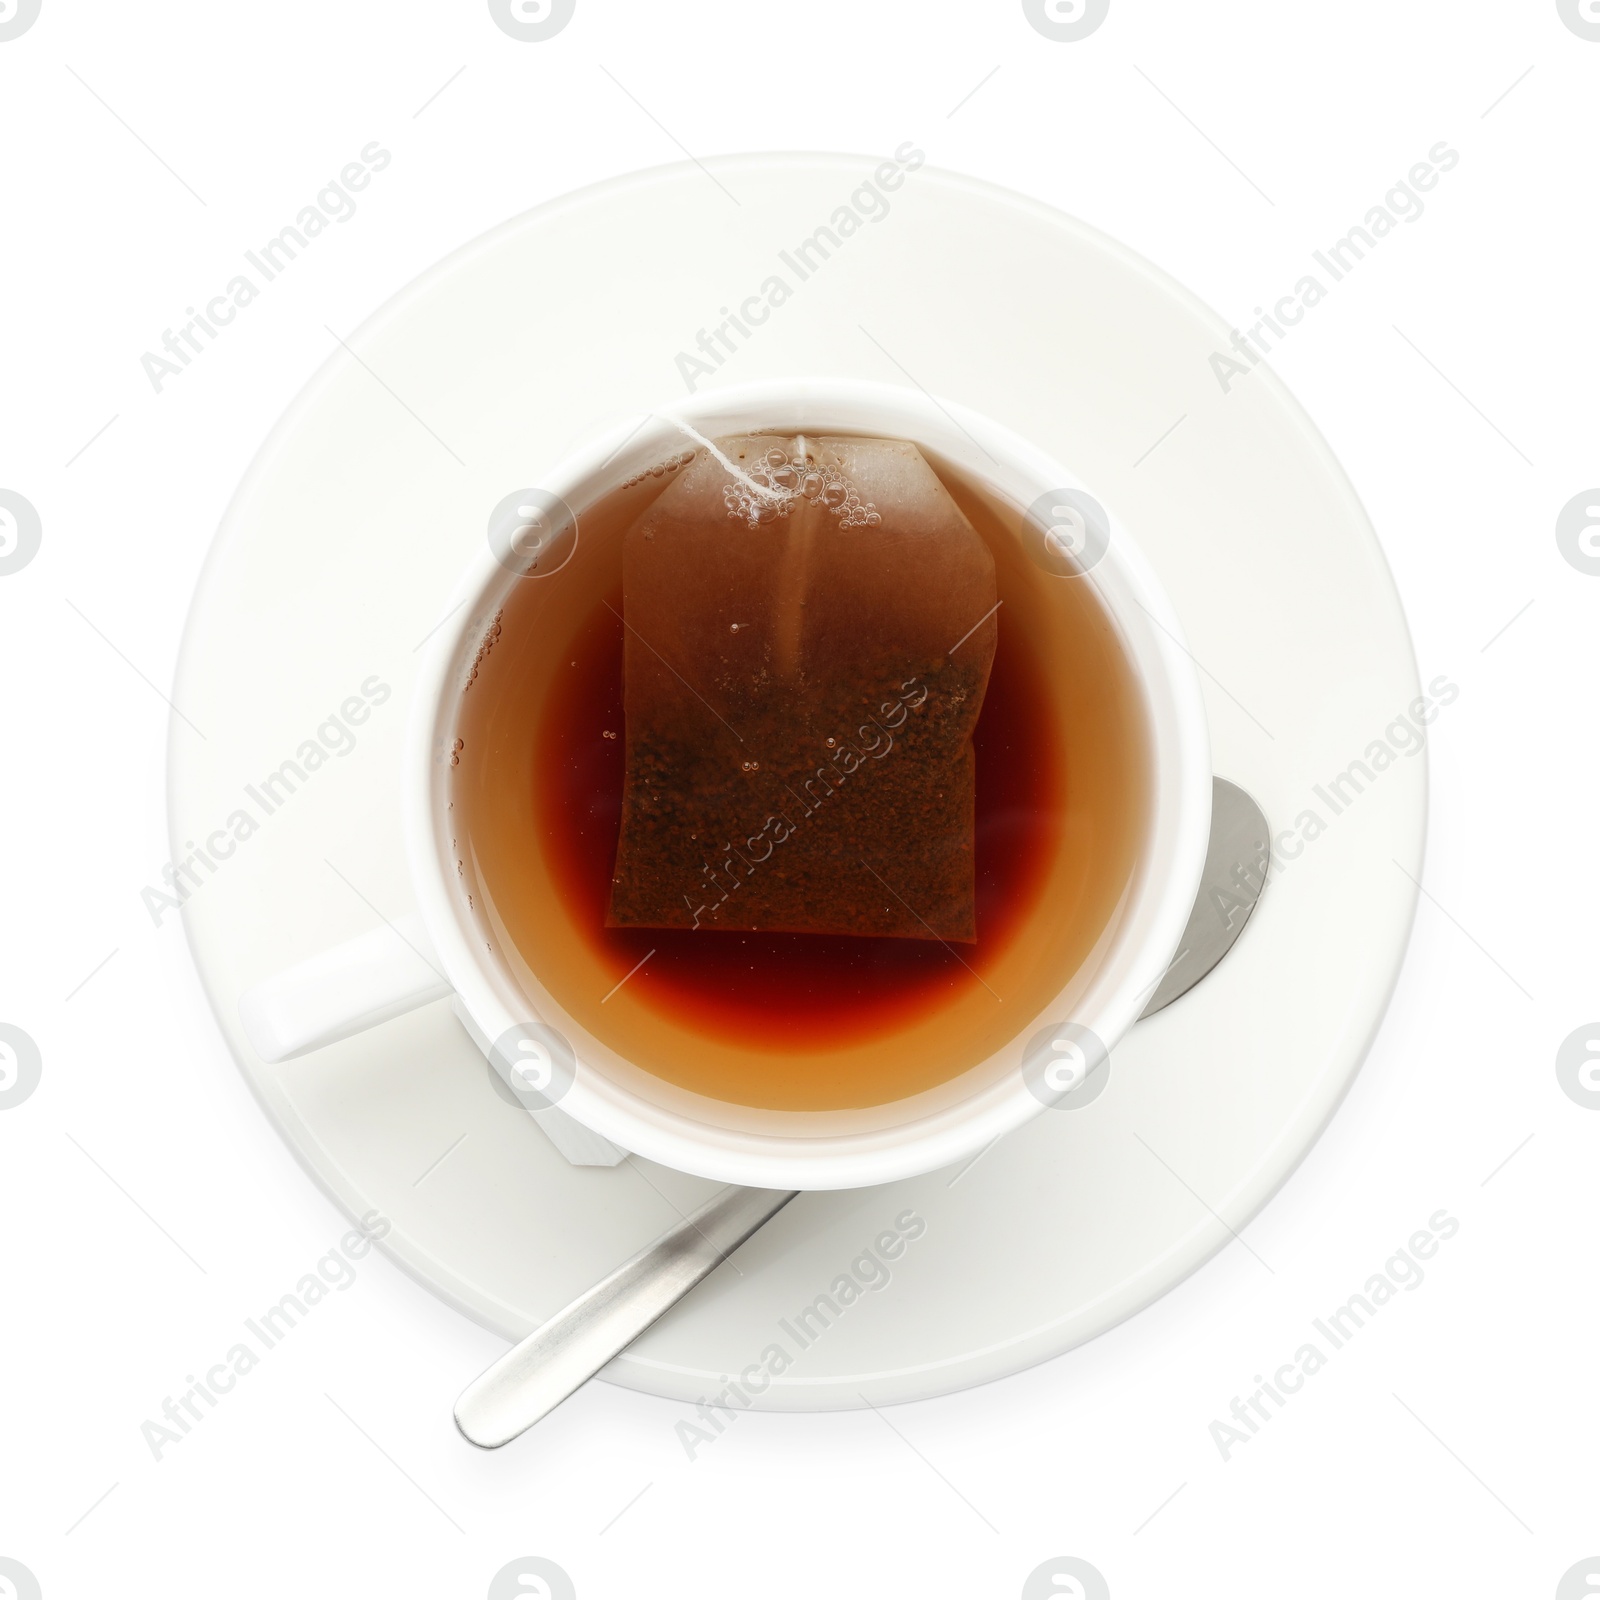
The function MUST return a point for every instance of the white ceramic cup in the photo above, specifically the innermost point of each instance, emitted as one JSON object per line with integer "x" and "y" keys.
{"x": 439, "y": 950}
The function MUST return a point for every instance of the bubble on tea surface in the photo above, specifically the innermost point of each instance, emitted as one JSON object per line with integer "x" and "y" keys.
{"x": 661, "y": 469}
{"x": 773, "y": 484}
{"x": 487, "y": 640}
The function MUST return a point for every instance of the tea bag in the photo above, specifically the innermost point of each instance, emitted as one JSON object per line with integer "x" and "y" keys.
{"x": 809, "y": 628}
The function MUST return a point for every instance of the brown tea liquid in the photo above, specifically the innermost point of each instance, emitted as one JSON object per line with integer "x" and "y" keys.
{"x": 800, "y": 1021}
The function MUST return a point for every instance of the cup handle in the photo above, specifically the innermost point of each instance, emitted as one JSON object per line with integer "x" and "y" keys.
{"x": 343, "y": 991}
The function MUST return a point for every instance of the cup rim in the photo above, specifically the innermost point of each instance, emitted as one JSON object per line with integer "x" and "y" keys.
{"x": 1162, "y": 896}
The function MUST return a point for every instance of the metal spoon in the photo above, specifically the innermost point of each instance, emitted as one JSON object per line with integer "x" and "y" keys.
{"x": 535, "y": 1376}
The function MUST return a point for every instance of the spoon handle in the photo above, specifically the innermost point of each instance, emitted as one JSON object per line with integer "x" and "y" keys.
{"x": 535, "y": 1376}
{"x": 530, "y": 1380}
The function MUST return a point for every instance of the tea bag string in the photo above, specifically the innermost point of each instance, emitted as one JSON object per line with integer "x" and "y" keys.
{"x": 794, "y": 585}
{"x": 796, "y": 558}
{"x": 762, "y": 491}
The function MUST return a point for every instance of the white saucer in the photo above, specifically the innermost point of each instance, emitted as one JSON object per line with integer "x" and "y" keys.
{"x": 351, "y": 526}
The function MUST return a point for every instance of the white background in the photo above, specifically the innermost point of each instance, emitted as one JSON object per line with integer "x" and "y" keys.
{"x": 1448, "y": 1450}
